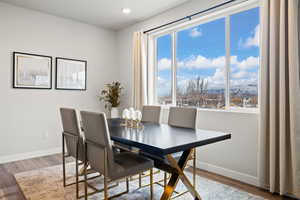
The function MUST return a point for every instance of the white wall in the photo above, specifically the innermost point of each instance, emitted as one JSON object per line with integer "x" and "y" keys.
{"x": 236, "y": 158}
{"x": 30, "y": 121}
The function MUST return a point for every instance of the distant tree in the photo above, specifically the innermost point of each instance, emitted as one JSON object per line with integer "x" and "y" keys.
{"x": 191, "y": 88}
{"x": 196, "y": 91}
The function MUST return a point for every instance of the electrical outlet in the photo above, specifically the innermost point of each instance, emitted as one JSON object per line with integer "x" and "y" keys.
{"x": 46, "y": 134}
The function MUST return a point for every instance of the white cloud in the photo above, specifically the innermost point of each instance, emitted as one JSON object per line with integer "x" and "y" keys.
{"x": 164, "y": 86}
{"x": 253, "y": 40}
{"x": 163, "y": 82}
{"x": 195, "y": 33}
{"x": 218, "y": 79}
{"x": 219, "y": 75}
{"x": 244, "y": 82}
{"x": 201, "y": 62}
{"x": 239, "y": 74}
{"x": 242, "y": 78}
{"x": 160, "y": 80}
{"x": 248, "y": 63}
{"x": 164, "y": 64}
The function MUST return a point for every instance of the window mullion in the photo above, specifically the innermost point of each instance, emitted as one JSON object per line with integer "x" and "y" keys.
{"x": 155, "y": 98}
{"x": 174, "y": 68}
{"x": 227, "y": 67}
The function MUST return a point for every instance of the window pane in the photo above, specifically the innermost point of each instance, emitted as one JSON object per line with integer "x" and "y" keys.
{"x": 201, "y": 65}
{"x": 164, "y": 72}
{"x": 244, "y": 58}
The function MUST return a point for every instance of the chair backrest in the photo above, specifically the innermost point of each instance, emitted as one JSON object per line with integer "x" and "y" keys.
{"x": 182, "y": 117}
{"x": 151, "y": 114}
{"x": 69, "y": 121}
{"x": 97, "y": 138}
{"x": 72, "y": 132}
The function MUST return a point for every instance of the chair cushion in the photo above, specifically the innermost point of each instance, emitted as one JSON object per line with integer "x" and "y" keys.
{"x": 128, "y": 164}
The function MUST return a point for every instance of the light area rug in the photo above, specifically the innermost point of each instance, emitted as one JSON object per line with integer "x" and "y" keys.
{"x": 46, "y": 184}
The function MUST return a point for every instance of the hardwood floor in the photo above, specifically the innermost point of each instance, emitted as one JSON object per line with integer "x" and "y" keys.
{"x": 11, "y": 191}
{"x": 8, "y": 185}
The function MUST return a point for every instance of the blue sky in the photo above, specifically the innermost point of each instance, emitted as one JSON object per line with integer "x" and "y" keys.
{"x": 201, "y": 52}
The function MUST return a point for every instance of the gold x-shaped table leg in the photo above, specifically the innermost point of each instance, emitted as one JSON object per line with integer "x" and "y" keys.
{"x": 179, "y": 166}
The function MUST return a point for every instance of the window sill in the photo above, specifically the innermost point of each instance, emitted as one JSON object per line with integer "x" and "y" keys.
{"x": 231, "y": 110}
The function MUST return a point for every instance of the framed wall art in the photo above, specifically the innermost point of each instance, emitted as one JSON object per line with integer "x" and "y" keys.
{"x": 32, "y": 71}
{"x": 71, "y": 74}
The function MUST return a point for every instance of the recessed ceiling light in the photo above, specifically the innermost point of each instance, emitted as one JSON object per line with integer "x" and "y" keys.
{"x": 126, "y": 10}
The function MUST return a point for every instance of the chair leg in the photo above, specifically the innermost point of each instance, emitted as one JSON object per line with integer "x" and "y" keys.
{"x": 127, "y": 184}
{"x": 151, "y": 184}
{"x": 85, "y": 172}
{"x": 105, "y": 189}
{"x": 63, "y": 160}
{"x": 77, "y": 185}
{"x": 105, "y": 176}
{"x": 85, "y": 185}
{"x": 140, "y": 180}
{"x": 77, "y": 176}
{"x": 194, "y": 169}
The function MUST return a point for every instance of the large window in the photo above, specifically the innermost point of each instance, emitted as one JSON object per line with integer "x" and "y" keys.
{"x": 201, "y": 66}
{"x": 244, "y": 50}
{"x": 214, "y": 64}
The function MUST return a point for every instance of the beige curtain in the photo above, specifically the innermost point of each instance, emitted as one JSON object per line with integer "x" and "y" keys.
{"x": 139, "y": 92}
{"x": 279, "y": 168}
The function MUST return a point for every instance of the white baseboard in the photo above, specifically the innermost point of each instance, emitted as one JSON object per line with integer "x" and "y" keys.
{"x": 23, "y": 156}
{"x": 245, "y": 178}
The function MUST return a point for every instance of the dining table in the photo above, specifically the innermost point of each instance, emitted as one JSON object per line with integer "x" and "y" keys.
{"x": 160, "y": 142}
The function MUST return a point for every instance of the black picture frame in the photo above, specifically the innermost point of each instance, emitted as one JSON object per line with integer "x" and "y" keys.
{"x": 57, "y": 87}
{"x": 14, "y": 83}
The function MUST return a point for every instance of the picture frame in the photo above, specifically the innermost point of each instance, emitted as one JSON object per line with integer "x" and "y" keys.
{"x": 32, "y": 71}
{"x": 70, "y": 74}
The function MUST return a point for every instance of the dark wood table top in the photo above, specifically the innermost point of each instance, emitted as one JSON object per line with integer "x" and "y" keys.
{"x": 162, "y": 139}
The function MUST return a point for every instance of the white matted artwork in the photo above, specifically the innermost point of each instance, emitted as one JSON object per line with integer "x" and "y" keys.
{"x": 32, "y": 71}
{"x": 70, "y": 74}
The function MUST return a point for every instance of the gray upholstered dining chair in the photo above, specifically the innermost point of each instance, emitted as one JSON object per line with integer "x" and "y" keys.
{"x": 73, "y": 141}
{"x": 151, "y": 114}
{"x": 99, "y": 153}
{"x": 183, "y": 117}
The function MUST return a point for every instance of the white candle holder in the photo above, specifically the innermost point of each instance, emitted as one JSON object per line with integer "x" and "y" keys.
{"x": 132, "y": 118}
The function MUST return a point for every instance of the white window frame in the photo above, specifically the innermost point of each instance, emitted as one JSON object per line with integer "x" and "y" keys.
{"x": 219, "y": 14}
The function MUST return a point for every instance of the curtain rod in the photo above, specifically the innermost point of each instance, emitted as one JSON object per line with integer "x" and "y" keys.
{"x": 189, "y": 17}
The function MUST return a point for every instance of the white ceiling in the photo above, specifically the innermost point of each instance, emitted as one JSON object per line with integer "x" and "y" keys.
{"x": 103, "y": 13}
